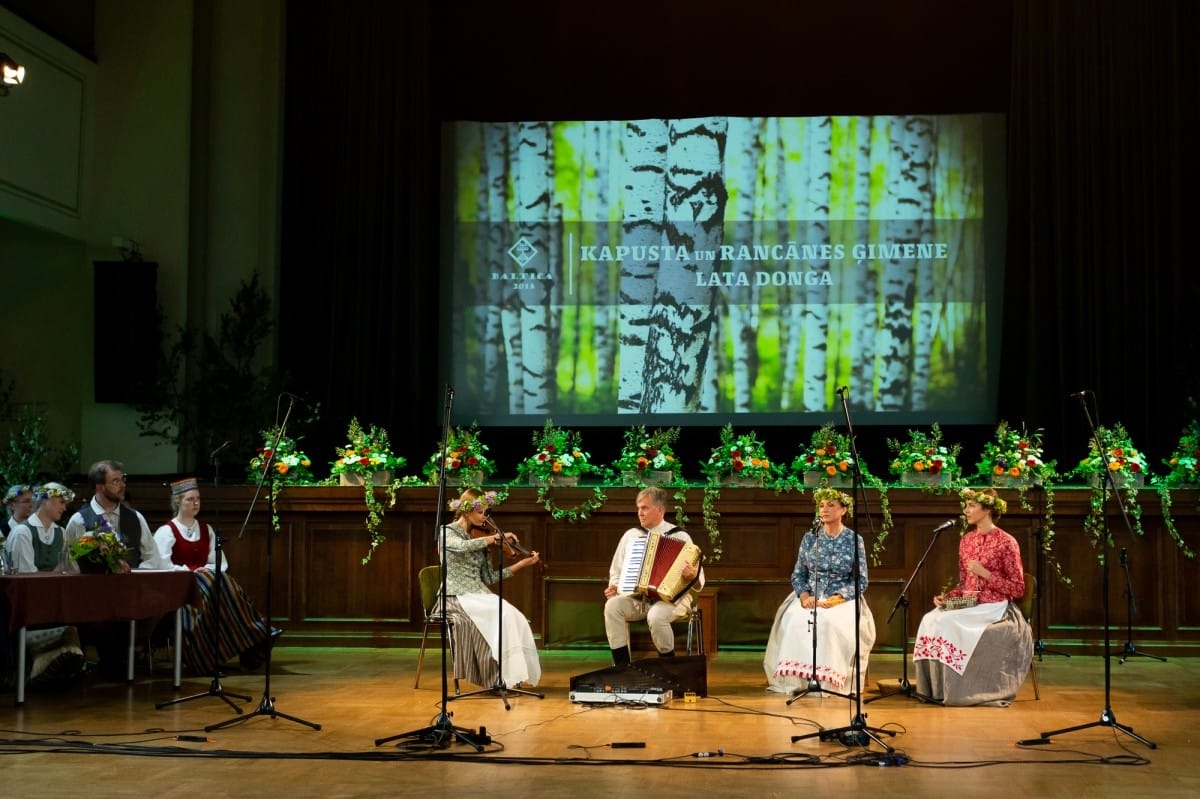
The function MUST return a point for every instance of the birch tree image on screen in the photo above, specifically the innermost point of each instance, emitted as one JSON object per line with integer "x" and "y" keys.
{"x": 677, "y": 268}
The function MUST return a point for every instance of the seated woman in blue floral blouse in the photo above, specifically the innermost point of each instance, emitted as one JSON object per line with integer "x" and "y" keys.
{"x": 824, "y": 593}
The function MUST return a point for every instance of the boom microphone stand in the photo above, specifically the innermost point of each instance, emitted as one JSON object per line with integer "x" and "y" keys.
{"x": 906, "y": 688}
{"x": 814, "y": 685}
{"x": 1107, "y": 718}
{"x": 856, "y": 733}
{"x": 266, "y": 706}
{"x": 214, "y": 687}
{"x": 442, "y": 732}
{"x": 499, "y": 689}
{"x": 1129, "y": 650}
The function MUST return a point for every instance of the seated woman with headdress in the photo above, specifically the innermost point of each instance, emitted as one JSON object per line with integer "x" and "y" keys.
{"x": 478, "y": 656}
{"x": 210, "y": 640}
{"x": 980, "y": 653}
{"x": 826, "y": 593}
{"x": 39, "y": 543}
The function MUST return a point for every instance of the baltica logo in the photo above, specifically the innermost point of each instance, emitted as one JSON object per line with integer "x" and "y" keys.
{"x": 522, "y": 252}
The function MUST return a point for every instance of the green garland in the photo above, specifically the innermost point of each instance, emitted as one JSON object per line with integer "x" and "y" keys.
{"x": 580, "y": 511}
{"x": 375, "y": 512}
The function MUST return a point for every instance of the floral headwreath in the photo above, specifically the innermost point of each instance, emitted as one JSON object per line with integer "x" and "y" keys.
{"x": 827, "y": 493}
{"x": 489, "y": 499}
{"x": 53, "y": 490}
{"x": 986, "y": 500}
{"x": 16, "y": 491}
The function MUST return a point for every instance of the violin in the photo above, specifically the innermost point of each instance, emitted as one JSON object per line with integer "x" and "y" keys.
{"x": 510, "y": 547}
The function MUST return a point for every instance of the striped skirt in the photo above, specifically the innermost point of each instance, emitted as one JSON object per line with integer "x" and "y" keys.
{"x": 208, "y": 641}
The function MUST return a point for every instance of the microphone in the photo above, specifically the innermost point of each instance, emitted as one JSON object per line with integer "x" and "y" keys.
{"x": 841, "y": 390}
{"x": 946, "y": 525}
{"x": 297, "y": 398}
{"x": 1079, "y": 394}
{"x": 218, "y": 450}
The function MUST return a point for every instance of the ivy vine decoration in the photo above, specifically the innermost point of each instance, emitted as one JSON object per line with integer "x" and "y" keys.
{"x": 711, "y": 516}
{"x": 545, "y": 495}
{"x": 368, "y": 451}
{"x": 1183, "y": 471}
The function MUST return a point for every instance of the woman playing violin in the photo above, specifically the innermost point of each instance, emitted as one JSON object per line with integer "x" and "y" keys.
{"x": 469, "y": 573}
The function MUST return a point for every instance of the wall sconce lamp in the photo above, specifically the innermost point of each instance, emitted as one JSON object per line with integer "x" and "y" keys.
{"x": 11, "y": 73}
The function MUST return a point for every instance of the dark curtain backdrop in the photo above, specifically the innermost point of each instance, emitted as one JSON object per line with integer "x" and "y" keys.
{"x": 1100, "y": 97}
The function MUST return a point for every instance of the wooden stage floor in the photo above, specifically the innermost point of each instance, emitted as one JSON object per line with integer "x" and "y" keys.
{"x": 110, "y": 739}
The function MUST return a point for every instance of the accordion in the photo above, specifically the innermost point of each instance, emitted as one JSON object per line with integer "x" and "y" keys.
{"x": 654, "y": 567}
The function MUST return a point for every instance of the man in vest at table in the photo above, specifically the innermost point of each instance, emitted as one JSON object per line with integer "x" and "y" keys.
{"x": 108, "y": 478}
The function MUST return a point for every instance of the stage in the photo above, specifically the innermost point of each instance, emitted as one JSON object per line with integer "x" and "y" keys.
{"x": 108, "y": 739}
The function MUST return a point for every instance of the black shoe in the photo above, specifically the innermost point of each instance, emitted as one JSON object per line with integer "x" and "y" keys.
{"x": 275, "y": 633}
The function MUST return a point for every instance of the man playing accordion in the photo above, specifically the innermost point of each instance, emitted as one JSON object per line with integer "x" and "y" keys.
{"x": 623, "y": 607}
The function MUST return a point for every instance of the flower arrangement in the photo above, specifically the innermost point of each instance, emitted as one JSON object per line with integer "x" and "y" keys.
{"x": 1014, "y": 458}
{"x": 558, "y": 453}
{"x": 648, "y": 452}
{"x": 1014, "y": 455}
{"x": 100, "y": 546}
{"x": 369, "y": 451}
{"x": 925, "y": 459}
{"x": 737, "y": 458}
{"x": 1111, "y": 448}
{"x": 1117, "y": 454}
{"x": 1184, "y": 464}
{"x": 827, "y": 459}
{"x": 743, "y": 457}
{"x": 465, "y": 455}
{"x": 289, "y": 465}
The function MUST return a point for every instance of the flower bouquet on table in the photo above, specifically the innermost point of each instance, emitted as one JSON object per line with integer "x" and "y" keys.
{"x": 100, "y": 550}
{"x": 925, "y": 461}
{"x": 646, "y": 458}
{"x": 289, "y": 466}
{"x": 367, "y": 461}
{"x": 1111, "y": 452}
{"x": 465, "y": 458}
{"x": 560, "y": 460}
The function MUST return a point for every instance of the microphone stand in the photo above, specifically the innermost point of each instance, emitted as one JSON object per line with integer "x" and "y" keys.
{"x": 1039, "y": 646}
{"x": 814, "y": 685}
{"x": 1129, "y": 650}
{"x": 856, "y": 733}
{"x": 906, "y": 688}
{"x": 266, "y": 706}
{"x": 442, "y": 732}
{"x": 499, "y": 689}
{"x": 1107, "y": 717}
{"x": 214, "y": 688}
